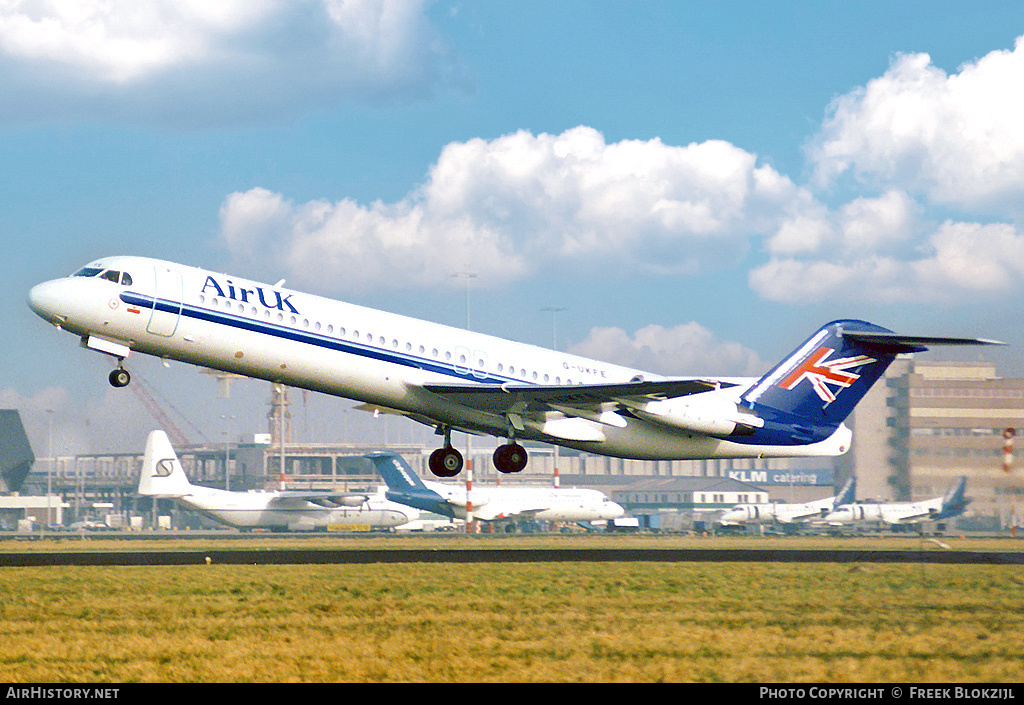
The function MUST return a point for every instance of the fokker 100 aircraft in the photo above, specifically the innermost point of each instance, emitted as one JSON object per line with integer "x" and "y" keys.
{"x": 287, "y": 510}
{"x": 491, "y": 503}
{"x": 455, "y": 379}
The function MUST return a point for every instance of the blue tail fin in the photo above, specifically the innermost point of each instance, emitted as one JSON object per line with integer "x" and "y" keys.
{"x": 955, "y": 498}
{"x": 848, "y": 494}
{"x": 809, "y": 394}
{"x": 397, "y": 473}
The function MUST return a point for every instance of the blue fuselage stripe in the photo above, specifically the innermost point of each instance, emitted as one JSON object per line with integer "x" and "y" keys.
{"x": 317, "y": 339}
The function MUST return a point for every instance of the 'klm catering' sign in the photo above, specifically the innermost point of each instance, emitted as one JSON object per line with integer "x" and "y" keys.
{"x": 821, "y": 477}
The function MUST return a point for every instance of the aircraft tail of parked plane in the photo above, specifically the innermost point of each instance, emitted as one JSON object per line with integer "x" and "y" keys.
{"x": 458, "y": 380}
{"x": 955, "y": 501}
{"x": 162, "y": 475}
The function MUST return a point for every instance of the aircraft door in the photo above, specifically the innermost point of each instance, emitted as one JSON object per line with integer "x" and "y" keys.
{"x": 167, "y": 296}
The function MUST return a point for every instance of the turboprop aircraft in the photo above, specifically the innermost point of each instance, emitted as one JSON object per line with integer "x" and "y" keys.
{"x": 163, "y": 477}
{"x": 455, "y": 379}
{"x": 952, "y": 504}
{"x": 490, "y": 503}
{"x": 791, "y": 514}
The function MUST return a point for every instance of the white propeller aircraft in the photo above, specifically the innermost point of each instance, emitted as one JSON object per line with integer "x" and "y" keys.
{"x": 783, "y": 513}
{"x": 952, "y": 504}
{"x": 455, "y": 379}
{"x": 291, "y": 510}
{"x": 491, "y": 503}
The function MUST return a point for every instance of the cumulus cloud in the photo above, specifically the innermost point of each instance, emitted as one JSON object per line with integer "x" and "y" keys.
{"x": 687, "y": 349}
{"x": 953, "y": 261}
{"x": 929, "y": 142}
{"x": 520, "y": 205}
{"x": 189, "y": 62}
{"x": 957, "y": 139}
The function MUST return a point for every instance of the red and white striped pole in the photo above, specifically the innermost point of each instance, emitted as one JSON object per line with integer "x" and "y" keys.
{"x": 1008, "y": 435}
{"x": 469, "y": 496}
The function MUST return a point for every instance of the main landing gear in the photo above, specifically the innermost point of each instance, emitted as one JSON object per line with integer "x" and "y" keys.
{"x": 510, "y": 457}
{"x": 447, "y": 462}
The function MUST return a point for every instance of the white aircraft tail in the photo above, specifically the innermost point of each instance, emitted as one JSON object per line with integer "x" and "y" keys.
{"x": 162, "y": 475}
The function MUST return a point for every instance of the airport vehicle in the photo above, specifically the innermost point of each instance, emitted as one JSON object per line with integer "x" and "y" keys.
{"x": 490, "y": 503}
{"x": 791, "y": 514}
{"x": 285, "y": 510}
{"x": 455, "y": 379}
{"x": 952, "y": 504}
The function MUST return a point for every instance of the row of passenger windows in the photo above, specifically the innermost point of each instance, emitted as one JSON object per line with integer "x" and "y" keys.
{"x": 461, "y": 359}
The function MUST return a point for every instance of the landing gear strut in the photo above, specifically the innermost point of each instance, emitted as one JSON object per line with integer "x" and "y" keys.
{"x": 446, "y": 461}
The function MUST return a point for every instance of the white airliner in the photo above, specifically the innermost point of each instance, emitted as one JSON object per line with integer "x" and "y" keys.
{"x": 783, "y": 513}
{"x": 952, "y": 504}
{"x": 455, "y": 379}
{"x": 163, "y": 477}
{"x": 491, "y": 503}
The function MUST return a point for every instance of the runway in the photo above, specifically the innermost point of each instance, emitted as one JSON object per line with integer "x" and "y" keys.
{"x": 321, "y": 556}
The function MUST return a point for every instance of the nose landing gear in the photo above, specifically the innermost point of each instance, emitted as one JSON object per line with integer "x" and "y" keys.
{"x": 119, "y": 377}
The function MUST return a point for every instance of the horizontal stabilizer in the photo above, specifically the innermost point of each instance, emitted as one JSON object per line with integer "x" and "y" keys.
{"x": 894, "y": 342}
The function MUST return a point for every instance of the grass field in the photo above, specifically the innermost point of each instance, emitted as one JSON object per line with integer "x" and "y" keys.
{"x": 510, "y": 622}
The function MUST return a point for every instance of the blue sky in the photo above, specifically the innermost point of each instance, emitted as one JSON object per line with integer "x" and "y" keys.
{"x": 698, "y": 185}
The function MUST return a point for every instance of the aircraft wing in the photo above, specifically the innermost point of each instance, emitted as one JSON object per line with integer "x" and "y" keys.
{"x": 593, "y": 402}
{"x": 491, "y": 512}
{"x": 329, "y": 500}
{"x": 799, "y": 517}
{"x": 916, "y": 516}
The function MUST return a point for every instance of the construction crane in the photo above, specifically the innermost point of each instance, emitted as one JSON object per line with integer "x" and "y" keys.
{"x": 178, "y": 438}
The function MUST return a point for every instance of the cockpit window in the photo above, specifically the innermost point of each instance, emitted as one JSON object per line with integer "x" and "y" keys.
{"x": 111, "y": 275}
{"x": 126, "y": 279}
{"x": 87, "y": 272}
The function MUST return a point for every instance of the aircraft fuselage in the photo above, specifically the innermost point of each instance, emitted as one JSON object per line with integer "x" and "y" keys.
{"x": 381, "y": 359}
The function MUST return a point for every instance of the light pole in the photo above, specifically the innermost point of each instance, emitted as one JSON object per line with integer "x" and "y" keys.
{"x": 227, "y": 449}
{"x": 469, "y": 451}
{"x": 555, "y": 310}
{"x": 49, "y": 469}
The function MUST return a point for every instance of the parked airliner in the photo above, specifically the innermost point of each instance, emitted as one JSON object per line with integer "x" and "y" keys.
{"x": 791, "y": 514}
{"x": 952, "y": 504}
{"x": 291, "y": 510}
{"x": 455, "y": 379}
{"x": 491, "y": 503}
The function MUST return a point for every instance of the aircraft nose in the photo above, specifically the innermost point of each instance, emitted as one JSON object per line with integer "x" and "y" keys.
{"x": 44, "y": 299}
{"x": 612, "y": 510}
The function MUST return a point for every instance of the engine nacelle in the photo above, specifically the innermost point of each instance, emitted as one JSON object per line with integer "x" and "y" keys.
{"x": 709, "y": 414}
